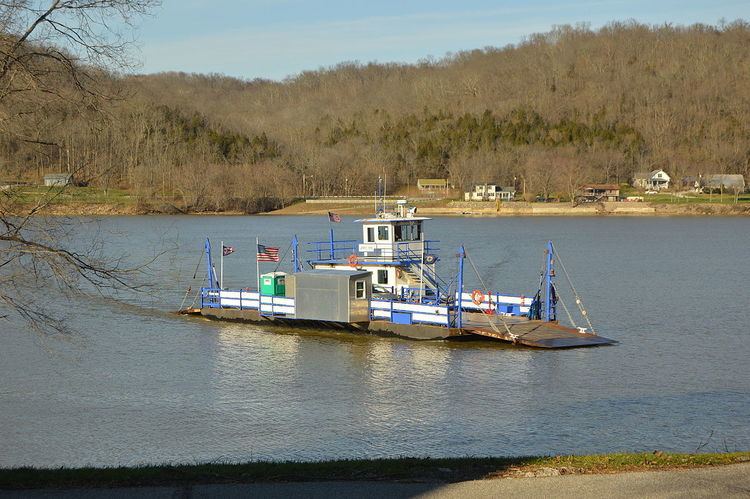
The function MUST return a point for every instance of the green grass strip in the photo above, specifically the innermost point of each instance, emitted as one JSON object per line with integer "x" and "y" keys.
{"x": 399, "y": 469}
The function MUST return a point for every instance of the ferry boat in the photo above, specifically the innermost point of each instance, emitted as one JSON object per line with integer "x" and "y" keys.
{"x": 389, "y": 284}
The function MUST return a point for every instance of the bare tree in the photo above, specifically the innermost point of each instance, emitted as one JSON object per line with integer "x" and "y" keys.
{"x": 574, "y": 174}
{"x": 52, "y": 57}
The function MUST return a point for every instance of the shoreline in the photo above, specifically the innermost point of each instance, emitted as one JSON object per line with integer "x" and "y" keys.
{"x": 446, "y": 470}
{"x": 524, "y": 209}
{"x": 454, "y": 209}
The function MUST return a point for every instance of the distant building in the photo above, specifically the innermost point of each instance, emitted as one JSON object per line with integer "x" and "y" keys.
{"x": 691, "y": 182}
{"x": 599, "y": 192}
{"x": 727, "y": 182}
{"x": 655, "y": 180}
{"x": 640, "y": 179}
{"x": 490, "y": 192}
{"x": 432, "y": 184}
{"x": 58, "y": 179}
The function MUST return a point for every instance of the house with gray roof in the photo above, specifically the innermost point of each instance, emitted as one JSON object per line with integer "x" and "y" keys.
{"x": 725, "y": 182}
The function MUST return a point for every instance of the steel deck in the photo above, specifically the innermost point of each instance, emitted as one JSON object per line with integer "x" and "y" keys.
{"x": 538, "y": 334}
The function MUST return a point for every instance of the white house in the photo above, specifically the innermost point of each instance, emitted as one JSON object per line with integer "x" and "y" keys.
{"x": 490, "y": 192}
{"x": 655, "y": 180}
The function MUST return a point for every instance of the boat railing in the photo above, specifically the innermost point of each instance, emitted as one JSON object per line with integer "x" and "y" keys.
{"x": 401, "y": 312}
{"x": 331, "y": 250}
{"x": 406, "y": 252}
{"x": 423, "y": 265}
{"x": 210, "y": 298}
{"x": 247, "y": 299}
{"x": 497, "y": 304}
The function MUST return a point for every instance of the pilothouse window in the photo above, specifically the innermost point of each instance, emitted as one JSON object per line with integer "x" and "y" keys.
{"x": 371, "y": 234}
{"x": 408, "y": 232}
{"x": 383, "y": 232}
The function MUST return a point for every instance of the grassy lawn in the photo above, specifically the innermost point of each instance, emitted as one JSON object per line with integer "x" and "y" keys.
{"x": 72, "y": 195}
{"x": 696, "y": 198}
{"x": 683, "y": 198}
{"x": 409, "y": 469}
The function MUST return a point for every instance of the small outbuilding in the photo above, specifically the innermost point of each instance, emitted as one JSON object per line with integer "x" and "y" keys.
{"x": 58, "y": 179}
{"x": 331, "y": 295}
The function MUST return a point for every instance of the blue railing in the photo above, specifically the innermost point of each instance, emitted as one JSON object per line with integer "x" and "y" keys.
{"x": 420, "y": 295}
{"x": 246, "y": 299}
{"x": 414, "y": 257}
{"x": 325, "y": 251}
{"x": 405, "y": 312}
{"x": 210, "y": 298}
{"x": 405, "y": 252}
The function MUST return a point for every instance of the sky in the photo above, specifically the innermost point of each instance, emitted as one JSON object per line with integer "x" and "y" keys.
{"x": 275, "y": 39}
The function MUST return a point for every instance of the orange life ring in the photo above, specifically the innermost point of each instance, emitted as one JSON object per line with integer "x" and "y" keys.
{"x": 477, "y": 297}
{"x": 353, "y": 261}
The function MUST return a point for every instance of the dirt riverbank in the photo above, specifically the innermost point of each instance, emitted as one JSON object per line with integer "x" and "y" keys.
{"x": 452, "y": 208}
{"x": 488, "y": 209}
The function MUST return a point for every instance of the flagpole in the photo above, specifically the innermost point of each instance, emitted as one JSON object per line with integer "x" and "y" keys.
{"x": 257, "y": 266}
{"x": 221, "y": 267}
{"x": 330, "y": 235}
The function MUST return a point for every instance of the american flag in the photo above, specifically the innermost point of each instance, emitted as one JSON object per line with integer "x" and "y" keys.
{"x": 333, "y": 217}
{"x": 227, "y": 250}
{"x": 268, "y": 254}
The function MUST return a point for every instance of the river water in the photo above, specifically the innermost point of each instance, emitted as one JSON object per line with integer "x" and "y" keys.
{"x": 135, "y": 383}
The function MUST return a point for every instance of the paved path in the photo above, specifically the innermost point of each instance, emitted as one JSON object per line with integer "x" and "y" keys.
{"x": 724, "y": 481}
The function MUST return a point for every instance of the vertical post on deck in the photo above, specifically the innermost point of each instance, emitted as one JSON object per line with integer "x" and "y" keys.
{"x": 330, "y": 238}
{"x": 295, "y": 253}
{"x": 209, "y": 265}
{"x": 221, "y": 267}
{"x": 421, "y": 273}
{"x": 461, "y": 256}
{"x": 257, "y": 268}
{"x": 550, "y": 314}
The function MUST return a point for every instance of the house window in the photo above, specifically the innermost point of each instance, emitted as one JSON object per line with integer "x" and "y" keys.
{"x": 359, "y": 290}
{"x": 382, "y": 276}
{"x": 383, "y": 232}
{"x": 371, "y": 234}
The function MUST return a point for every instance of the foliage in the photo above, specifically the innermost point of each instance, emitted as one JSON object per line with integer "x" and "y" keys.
{"x": 568, "y": 106}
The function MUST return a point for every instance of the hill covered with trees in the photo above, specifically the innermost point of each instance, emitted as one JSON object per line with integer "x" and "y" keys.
{"x": 569, "y": 106}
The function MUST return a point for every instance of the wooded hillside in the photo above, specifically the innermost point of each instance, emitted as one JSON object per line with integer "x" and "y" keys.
{"x": 561, "y": 108}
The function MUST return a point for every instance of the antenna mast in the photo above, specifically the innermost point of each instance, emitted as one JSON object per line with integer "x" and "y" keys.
{"x": 380, "y": 196}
